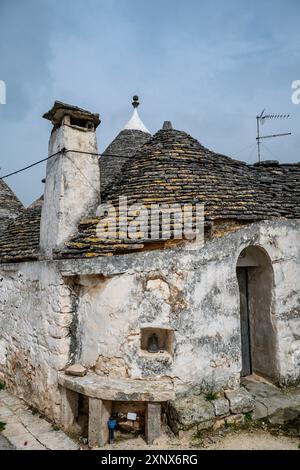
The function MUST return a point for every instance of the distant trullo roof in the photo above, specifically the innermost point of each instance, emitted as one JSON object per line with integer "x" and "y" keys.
{"x": 131, "y": 138}
{"x": 10, "y": 206}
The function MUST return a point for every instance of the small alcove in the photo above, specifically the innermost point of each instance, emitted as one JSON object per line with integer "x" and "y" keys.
{"x": 162, "y": 338}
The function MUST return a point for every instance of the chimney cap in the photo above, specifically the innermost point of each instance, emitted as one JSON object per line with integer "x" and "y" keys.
{"x": 60, "y": 109}
{"x": 167, "y": 126}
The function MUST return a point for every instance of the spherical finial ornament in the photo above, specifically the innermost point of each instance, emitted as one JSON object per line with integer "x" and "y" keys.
{"x": 135, "y": 102}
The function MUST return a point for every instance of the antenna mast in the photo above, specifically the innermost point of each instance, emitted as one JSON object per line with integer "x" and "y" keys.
{"x": 260, "y": 120}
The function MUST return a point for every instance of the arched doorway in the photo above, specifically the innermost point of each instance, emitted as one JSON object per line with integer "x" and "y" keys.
{"x": 258, "y": 339}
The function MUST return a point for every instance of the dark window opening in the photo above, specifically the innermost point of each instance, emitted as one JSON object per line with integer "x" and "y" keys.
{"x": 80, "y": 123}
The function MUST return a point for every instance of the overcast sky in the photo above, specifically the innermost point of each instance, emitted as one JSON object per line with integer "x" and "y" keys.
{"x": 209, "y": 67}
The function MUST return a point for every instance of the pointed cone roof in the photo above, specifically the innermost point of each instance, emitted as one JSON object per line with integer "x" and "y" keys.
{"x": 135, "y": 122}
{"x": 9, "y": 203}
{"x": 133, "y": 136}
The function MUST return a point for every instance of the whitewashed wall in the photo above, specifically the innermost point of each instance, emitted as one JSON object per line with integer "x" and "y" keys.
{"x": 196, "y": 294}
{"x": 94, "y": 309}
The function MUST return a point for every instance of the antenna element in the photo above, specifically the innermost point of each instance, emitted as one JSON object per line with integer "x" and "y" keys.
{"x": 260, "y": 120}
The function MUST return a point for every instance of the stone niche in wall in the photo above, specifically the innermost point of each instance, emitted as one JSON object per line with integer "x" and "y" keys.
{"x": 164, "y": 338}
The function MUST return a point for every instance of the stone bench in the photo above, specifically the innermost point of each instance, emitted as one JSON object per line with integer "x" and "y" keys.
{"x": 101, "y": 392}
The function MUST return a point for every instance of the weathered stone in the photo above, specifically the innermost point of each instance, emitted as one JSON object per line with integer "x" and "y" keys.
{"x": 105, "y": 388}
{"x": 221, "y": 406}
{"x": 5, "y": 444}
{"x": 99, "y": 413}
{"x": 14, "y": 429}
{"x": 124, "y": 146}
{"x": 275, "y": 405}
{"x": 260, "y": 411}
{"x": 68, "y": 408}
{"x": 153, "y": 422}
{"x": 184, "y": 413}
{"x": 205, "y": 425}
{"x": 111, "y": 366}
{"x": 159, "y": 288}
{"x": 29, "y": 431}
{"x": 240, "y": 401}
{"x": 57, "y": 440}
{"x": 286, "y": 416}
{"x": 235, "y": 419}
{"x": 219, "y": 423}
{"x": 76, "y": 369}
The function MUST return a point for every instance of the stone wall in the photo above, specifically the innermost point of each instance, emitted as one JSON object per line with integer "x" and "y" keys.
{"x": 36, "y": 314}
{"x": 57, "y": 312}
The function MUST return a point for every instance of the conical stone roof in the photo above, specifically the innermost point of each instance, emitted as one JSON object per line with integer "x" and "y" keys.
{"x": 124, "y": 146}
{"x": 10, "y": 206}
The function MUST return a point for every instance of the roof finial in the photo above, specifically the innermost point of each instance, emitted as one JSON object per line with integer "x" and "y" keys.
{"x": 135, "y": 102}
{"x": 135, "y": 122}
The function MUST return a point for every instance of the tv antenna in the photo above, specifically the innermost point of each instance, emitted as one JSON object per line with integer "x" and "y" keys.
{"x": 261, "y": 120}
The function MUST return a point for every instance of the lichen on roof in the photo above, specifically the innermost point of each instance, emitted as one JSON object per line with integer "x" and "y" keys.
{"x": 20, "y": 241}
{"x": 172, "y": 167}
{"x": 10, "y": 206}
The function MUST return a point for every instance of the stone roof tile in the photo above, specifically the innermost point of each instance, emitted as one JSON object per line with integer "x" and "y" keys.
{"x": 20, "y": 240}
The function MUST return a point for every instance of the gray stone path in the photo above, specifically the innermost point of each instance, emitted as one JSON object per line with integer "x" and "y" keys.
{"x": 5, "y": 444}
{"x": 277, "y": 406}
{"x": 27, "y": 431}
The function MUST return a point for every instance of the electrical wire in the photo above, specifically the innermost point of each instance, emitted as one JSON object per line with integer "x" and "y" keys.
{"x": 248, "y": 161}
{"x": 243, "y": 149}
{"x": 29, "y": 166}
{"x": 271, "y": 152}
{"x": 57, "y": 153}
{"x": 106, "y": 155}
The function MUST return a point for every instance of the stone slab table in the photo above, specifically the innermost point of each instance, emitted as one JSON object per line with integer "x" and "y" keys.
{"x": 102, "y": 391}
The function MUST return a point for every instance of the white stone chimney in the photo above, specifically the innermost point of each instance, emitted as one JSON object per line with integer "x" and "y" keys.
{"x": 72, "y": 188}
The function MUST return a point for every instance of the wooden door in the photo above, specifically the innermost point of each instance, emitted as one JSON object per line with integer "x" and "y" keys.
{"x": 242, "y": 276}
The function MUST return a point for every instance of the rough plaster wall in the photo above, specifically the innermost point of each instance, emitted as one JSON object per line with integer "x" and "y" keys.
{"x": 196, "y": 304}
{"x": 196, "y": 293}
{"x": 284, "y": 249}
{"x": 36, "y": 311}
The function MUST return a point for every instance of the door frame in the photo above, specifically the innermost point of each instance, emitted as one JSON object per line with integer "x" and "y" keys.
{"x": 246, "y": 350}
